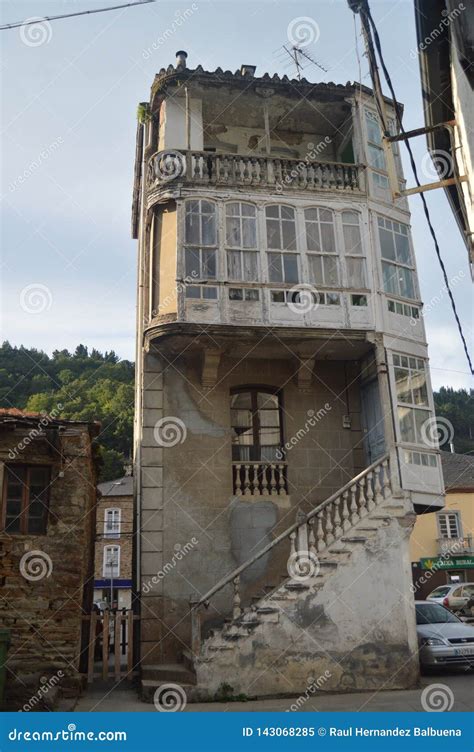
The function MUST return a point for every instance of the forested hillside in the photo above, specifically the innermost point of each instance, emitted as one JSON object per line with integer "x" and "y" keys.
{"x": 99, "y": 386}
{"x": 89, "y": 386}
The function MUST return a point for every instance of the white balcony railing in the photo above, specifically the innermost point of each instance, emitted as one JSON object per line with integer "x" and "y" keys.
{"x": 259, "y": 478}
{"x": 209, "y": 168}
{"x": 455, "y": 546}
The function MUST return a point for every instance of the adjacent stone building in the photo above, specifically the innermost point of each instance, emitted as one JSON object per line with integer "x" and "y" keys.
{"x": 284, "y": 411}
{"x": 48, "y": 482}
{"x": 113, "y": 546}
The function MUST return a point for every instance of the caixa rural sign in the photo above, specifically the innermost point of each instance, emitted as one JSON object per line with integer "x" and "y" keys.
{"x": 453, "y": 562}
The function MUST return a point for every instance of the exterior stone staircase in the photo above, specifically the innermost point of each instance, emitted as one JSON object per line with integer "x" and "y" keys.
{"x": 342, "y": 620}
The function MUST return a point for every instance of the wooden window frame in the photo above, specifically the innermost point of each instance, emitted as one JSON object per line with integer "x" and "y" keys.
{"x": 115, "y": 534}
{"x": 25, "y": 500}
{"x": 254, "y": 390}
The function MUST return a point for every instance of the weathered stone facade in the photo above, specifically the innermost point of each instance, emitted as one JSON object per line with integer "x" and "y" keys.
{"x": 281, "y": 362}
{"x": 47, "y": 577}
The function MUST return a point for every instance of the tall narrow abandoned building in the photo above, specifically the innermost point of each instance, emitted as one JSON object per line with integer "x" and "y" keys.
{"x": 284, "y": 424}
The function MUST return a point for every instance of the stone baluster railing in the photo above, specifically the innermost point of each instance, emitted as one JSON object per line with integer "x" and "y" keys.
{"x": 260, "y": 478}
{"x": 311, "y": 534}
{"x": 205, "y": 167}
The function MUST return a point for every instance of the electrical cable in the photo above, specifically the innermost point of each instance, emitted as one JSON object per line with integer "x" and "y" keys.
{"x": 366, "y": 10}
{"x": 29, "y": 22}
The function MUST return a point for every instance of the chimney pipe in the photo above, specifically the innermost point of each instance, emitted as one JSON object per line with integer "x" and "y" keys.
{"x": 181, "y": 56}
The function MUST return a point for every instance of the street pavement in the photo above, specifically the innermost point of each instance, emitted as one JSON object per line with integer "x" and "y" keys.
{"x": 124, "y": 698}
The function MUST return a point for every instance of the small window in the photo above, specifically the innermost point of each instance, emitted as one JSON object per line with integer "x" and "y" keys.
{"x": 111, "y": 562}
{"x": 197, "y": 292}
{"x": 321, "y": 246}
{"x": 112, "y": 519}
{"x": 26, "y": 499}
{"x": 449, "y": 525}
{"x": 359, "y": 301}
{"x": 248, "y": 294}
{"x": 200, "y": 263}
{"x": 397, "y": 265}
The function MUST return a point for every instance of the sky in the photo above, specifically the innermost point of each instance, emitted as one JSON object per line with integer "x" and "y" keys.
{"x": 68, "y": 116}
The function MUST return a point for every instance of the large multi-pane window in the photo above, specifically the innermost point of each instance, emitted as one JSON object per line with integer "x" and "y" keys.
{"x": 256, "y": 425}
{"x": 397, "y": 264}
{"x": 321, "y": 246}
{"x": 201, "y": 248}
{"x": 353, "y": 250}
{"x": 281, "y": 237}
{"x": 412, "y": 398}
{"x": 241, "y": 242}
{"x": 26, "y": 498}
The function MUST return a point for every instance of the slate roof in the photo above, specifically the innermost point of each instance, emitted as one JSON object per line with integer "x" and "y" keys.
{"x": 458, "y": 471}
{"x": 119, "y": 487}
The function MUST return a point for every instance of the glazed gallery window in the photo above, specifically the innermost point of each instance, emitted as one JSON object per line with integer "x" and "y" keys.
{"x": 353, "y": 250}
{"x": 397, "y": 264}
{"x": 281, "y": 228}
{"x": 26, "y": 499}
{"x": 201, "y": 225}
{"x": 321, "y": 247}
{"x": 241, "y": 242}
{"x": 412, "y": 398}
{"x": 112, "y": 519}
{"x": 201, "y": 258}
{"x": 449, "y": 525}
{"x": 111, "y": 562}
{"x": 256, "y": 425}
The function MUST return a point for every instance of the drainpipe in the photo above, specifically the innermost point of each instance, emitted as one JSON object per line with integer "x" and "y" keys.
{"x": 139, "y": 380}
{"x": 188, "y": 119}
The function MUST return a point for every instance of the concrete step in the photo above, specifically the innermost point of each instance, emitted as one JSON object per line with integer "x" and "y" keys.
{"x": 168, "y": 672}
{"x": 355, "y": 539}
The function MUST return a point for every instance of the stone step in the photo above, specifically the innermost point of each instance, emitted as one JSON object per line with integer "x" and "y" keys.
{"x": 355, "y": 539}
{"x": 168, "y": 672}
{"x": 148, "y": 688}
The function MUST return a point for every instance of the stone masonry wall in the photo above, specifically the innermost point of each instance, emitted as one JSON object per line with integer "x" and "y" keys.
{"x": 42, "y": 598}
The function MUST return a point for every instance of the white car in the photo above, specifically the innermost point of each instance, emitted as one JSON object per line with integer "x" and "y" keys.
{"x": 454, "y": 597}
{"x": 443, "y": 639}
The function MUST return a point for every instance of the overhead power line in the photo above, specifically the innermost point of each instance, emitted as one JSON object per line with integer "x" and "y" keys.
{"x": 36, "y": 20}
{"x": 367, "y": 22}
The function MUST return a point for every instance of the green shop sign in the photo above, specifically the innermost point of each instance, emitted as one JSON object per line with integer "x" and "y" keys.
{"x": 452, "y": 562}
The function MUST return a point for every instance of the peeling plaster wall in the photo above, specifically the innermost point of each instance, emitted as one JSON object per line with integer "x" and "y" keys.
{"x": 239, "y": 140}
{"x": 187, "y": 487}
{"x": 330, "y": 632}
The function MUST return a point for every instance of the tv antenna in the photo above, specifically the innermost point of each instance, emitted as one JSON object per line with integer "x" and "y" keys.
{"x": 297, "y": 55}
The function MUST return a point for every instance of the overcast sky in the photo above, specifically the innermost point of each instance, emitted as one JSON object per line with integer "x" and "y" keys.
{"x": 69, "y": 100}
